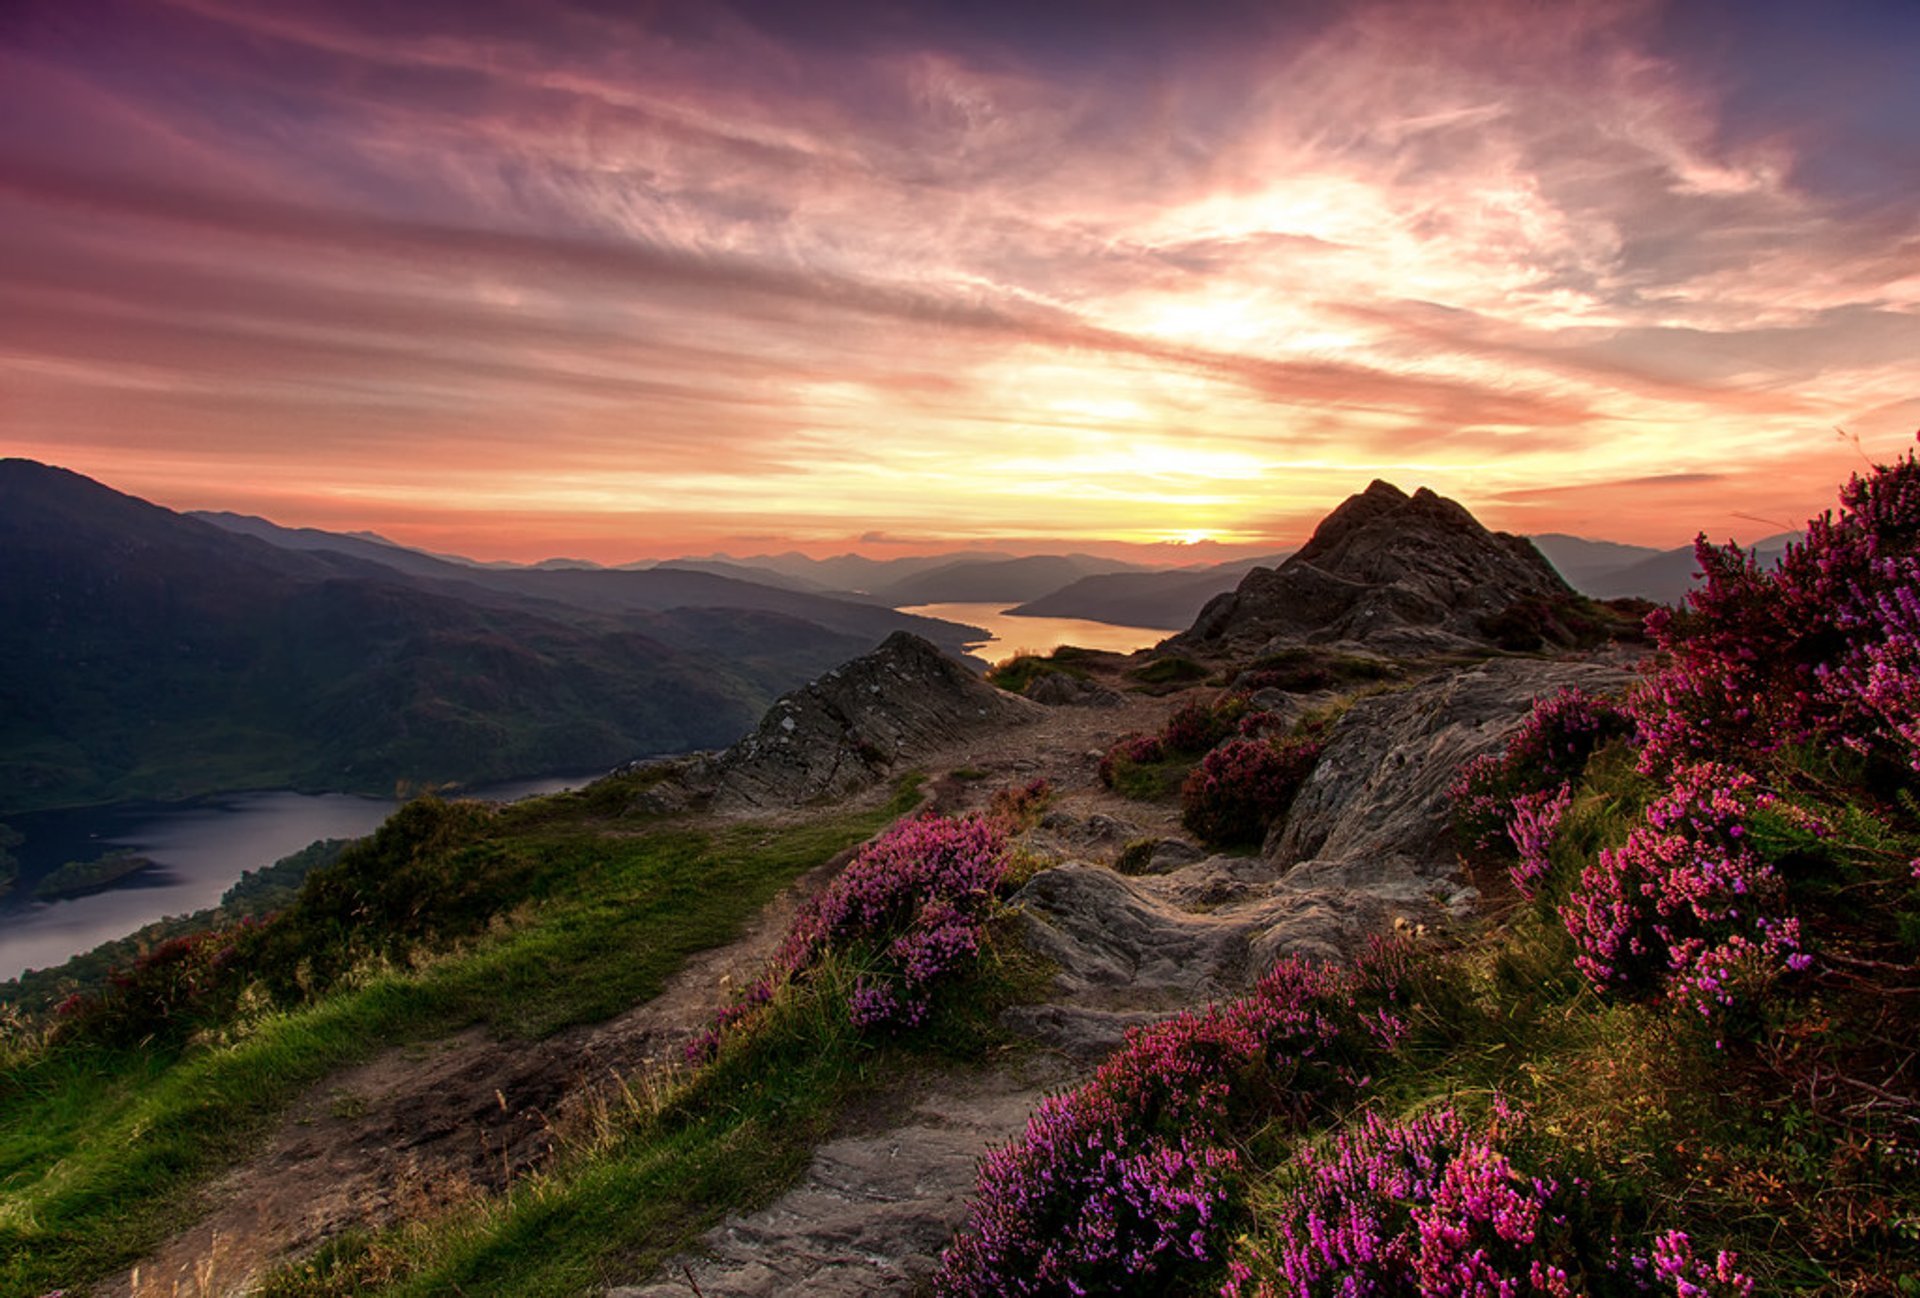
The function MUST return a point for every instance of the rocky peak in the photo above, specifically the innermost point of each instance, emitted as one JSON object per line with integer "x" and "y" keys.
{"x": 1353, "y": 514}
{"x": 860, "y": 723}
{"x": 1405, "y": 573}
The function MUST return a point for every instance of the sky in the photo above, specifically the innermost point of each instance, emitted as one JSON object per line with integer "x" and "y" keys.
{"x": 617, "y": 280}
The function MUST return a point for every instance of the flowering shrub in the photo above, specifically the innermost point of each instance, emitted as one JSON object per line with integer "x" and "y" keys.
{"x": 1134, "y": 750}
{"x": 1436, "y": 1206}
{"x": 1195, "y": 727}
{"x": 910, "y": 912}
{"x": 1019, "y": 808}
{"x": 1136, "y": 1171}
{"x": 1687, "y": 906}
{"x": 1243, "y": 787}
{"x": 1508, "y": 807}
{"x": 1824, "y": 646}
{"x": 177, "y": 986}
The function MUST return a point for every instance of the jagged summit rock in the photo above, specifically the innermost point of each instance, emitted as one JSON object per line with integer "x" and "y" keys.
{"x": 861, "y": 721}
{"x": 1397, "y": 572}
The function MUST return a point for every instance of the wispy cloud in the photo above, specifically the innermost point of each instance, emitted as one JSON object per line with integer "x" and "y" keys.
{"x": 642, "y": 282}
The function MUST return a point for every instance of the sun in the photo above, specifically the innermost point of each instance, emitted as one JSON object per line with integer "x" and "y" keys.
{"x": 1191, "y": 538}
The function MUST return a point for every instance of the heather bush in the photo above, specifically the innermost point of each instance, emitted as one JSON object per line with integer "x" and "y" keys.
{"x": 909, "y": 913}
{"x": 1134, "y": 750}
{"x": 1823, "y": 647}
{"x": 1508, "y": 806}
{"x": 1243, "y": 787}
{"x": 1531, "y": 828}
{"x": 1688, "y": 907}
{"x": 180, "y": 985}
{"x": 1114, "y": 1186}
{"x": 1195, "y": 727}
{"x": 1192, "y": 729}
{"x": 1439, "y": 1206}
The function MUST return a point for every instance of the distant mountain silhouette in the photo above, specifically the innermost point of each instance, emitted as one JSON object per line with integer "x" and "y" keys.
{"x": 151, "y": 655}
{"x": 852, "y": 572}
{"x": 1402, "y": 573}
{"x": 977, "y": 581}
{"x": 1169, "y": 599}
{"x": 1608, "y": 570}
{"x": 743, "y": 572}
{"x": 658, "y": 589}
{"x": 1586, "y": 563}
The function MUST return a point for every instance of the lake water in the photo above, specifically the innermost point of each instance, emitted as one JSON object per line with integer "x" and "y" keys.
{"x": 1008, "y": 635}
{"x": 199, "y": 849}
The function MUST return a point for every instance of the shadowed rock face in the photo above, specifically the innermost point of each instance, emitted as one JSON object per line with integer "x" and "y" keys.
{"x": 855, "y": 725}
{"x": 1403, "y": 573}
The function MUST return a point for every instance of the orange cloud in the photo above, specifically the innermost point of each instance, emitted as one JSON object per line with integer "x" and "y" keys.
{"x": 596, "y": 283}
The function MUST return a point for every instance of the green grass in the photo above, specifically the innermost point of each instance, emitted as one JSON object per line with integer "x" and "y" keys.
{"x": 1171, "y": 670}
{"x": 1152, "y": 781}
{"x": 645, "y": 1183}
{"x": 101, "y": 1151}
{"x": 1019, "y": 672}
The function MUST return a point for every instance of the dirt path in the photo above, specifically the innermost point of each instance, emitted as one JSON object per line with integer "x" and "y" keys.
{"x": 420, "y": 1128}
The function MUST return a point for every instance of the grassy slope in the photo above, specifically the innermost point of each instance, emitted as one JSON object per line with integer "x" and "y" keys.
{"x": 101, "y": 1151}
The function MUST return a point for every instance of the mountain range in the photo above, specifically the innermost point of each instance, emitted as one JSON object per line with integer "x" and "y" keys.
{"x": 150, "y": 655}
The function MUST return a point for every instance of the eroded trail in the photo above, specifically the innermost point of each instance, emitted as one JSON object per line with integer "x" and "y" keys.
{"x": 426, "y": 1127}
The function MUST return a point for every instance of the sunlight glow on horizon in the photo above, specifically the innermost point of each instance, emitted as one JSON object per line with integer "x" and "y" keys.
{"x": 718, "y": 279}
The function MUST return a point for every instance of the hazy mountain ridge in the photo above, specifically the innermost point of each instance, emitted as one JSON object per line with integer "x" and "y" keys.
{"x": 153, "y": 655}
{"x": 1167, "y": 599}
{"x": 970, "y": 581}
{"x": 664, "y": 588}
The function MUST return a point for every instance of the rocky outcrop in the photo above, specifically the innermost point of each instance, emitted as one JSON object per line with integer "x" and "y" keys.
{"x": 1367, "y": 851}
{"x": 860, "y": 723}
{"x": 1367, "y": 844}
{"x": 1375, "y": 813}
{"x": 1405, "y": 574}
{"x": 1057, "y": 689}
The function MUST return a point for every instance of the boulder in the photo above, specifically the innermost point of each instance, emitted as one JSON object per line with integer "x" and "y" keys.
{"x": 1057, "y": 689}
{"x": 859, "y": 724}
{"x": 1374, "y": 813}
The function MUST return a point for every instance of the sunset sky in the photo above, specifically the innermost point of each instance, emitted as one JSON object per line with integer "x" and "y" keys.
{"x": 517, "y": 278}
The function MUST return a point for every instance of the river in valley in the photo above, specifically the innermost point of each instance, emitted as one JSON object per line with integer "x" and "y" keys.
{"x": 1008, "y": 635}
{"x": 198, "y": 850}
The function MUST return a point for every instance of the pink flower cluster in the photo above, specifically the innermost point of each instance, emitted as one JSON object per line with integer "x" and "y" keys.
{"x": 1134, "y": 750}
{"x": 1428, "y": 1206}
{"x": 1686, "y": 905}
{"x": 909, "y": 912}
{"x": 1115, "y": 1184}
{"x": 1509, "y": 807}
{"x": 1193, "y": 728}
{"x": 1436, "y": 1206}
{"x": 1245, "y": 786}
{"x": 1532, "y": 824}
{"x": 1826, "y": 646}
